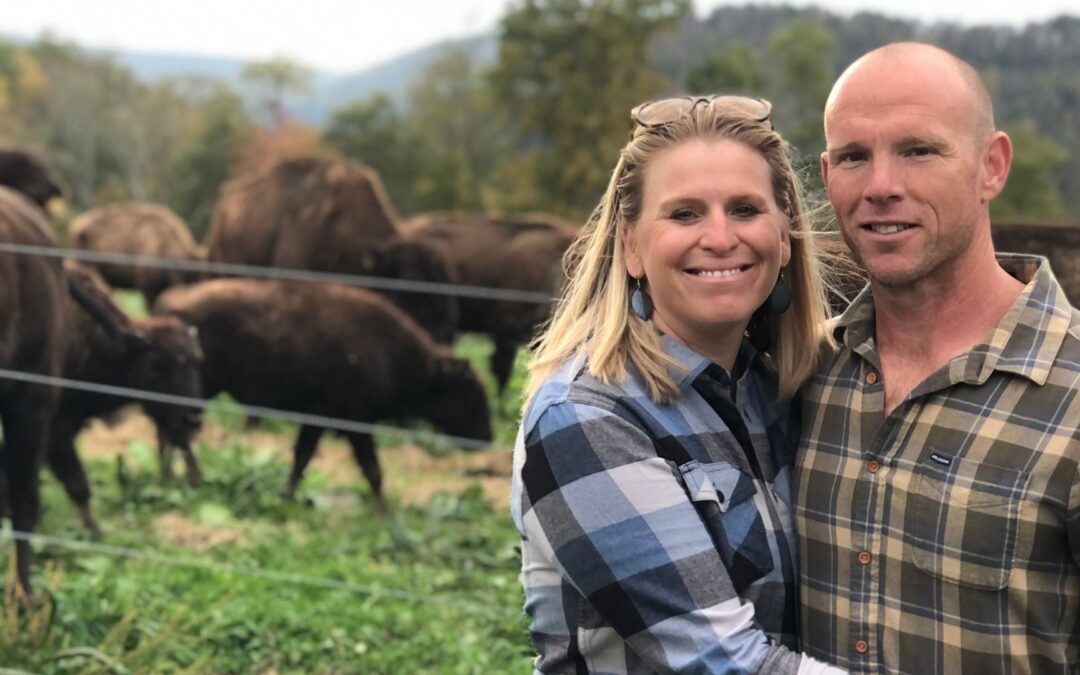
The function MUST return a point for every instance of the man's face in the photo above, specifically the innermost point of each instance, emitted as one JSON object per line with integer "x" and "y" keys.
{"x": 903, "y": 170}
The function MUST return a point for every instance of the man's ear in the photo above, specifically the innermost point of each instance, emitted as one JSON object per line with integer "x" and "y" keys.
{"x": 996, "y": 160}
{"x": 630, "y": 251}
{"x": 825, "y": 169}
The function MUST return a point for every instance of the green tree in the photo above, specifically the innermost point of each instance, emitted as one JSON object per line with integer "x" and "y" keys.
{"x": 219, "y": 131}
{"x": 730, "y": 69}
{"x": 1031, "y": 193}
{"x": 802, "y": 51}
{"x": 274, "y": 79}
{"x": 374, "y": 132}
{"x": 568, "y": 73}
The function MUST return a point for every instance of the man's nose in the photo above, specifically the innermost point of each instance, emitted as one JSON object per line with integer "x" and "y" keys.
{"x": 884, "y": 185}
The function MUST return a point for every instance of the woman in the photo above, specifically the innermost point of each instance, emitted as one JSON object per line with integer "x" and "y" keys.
{"x": 651, "y": 483}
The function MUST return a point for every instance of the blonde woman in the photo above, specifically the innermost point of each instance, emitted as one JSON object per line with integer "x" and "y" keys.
{"x": 651, "y": 482}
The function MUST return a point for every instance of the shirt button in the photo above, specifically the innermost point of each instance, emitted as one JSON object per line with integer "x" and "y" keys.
{"x": 862, "y": 647}
{"x": 864, "y": 558}
{"x": 872, "y": 466}
{"x": 871, "y": 377}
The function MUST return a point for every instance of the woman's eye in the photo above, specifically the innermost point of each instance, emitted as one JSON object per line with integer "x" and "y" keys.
{"x": 683, "y": 214}
{"x": 745, "y": 211}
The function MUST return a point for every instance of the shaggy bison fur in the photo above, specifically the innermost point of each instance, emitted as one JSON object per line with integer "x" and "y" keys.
{"x": 329, "y": 350}
{"x": 137, "y": 228}
{"x": 26, "y": 173}
{"x": 328, "y": 215}
{"x": 522, "y": 253}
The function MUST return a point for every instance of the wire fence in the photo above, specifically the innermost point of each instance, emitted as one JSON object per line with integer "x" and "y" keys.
{"x": 155, "y": 557}
{"x": 280, "y": 273}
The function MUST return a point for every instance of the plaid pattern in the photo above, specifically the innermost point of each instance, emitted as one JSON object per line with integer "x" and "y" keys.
{"x": 648, "y": 543}
{"x": 945, "y": 538}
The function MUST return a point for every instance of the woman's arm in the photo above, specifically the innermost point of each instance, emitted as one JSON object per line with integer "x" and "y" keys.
{"x": 620, "y": 529}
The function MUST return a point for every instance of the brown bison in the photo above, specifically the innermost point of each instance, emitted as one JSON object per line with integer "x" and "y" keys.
{"x": 328, "y": 215}
{"x": 1060, "y": 244}
{"x": 157, "y": 355}
{"x": 34, "y": 306}
{"x": 24, "y": 172}
{"x": 521, "y": 253}
{"x": 329, "y": 350}
{"x": 137, "y": 228}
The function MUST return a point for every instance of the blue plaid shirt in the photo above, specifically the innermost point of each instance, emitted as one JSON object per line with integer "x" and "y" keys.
{"x": 652, "y": 541}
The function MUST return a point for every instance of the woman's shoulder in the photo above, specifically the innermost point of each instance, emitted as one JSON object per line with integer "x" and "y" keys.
{"x": 573, "y": 387}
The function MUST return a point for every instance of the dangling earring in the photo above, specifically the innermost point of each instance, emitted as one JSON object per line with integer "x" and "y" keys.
{"x": 780, "y": 298}
{"x": 640, "y": 302}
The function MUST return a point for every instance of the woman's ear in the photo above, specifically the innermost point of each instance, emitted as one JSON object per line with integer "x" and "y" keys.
{"x": 630, "y": 251}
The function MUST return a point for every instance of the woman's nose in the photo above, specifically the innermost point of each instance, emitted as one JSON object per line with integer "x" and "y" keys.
{"x": 718, "y": 234}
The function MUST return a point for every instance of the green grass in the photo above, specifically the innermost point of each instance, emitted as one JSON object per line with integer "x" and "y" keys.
{"x": 432, "y": 589}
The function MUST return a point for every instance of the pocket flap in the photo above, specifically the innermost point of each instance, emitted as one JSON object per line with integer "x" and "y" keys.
{"x": 718, "y": 482}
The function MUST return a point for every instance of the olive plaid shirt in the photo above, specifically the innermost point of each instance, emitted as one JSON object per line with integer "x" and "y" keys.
{"x": 945, "y": 537}
{"x": 652, "y": 541}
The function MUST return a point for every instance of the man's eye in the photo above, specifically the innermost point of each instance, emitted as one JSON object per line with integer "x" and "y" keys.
{"x": 850, "y": 157}
{"x": 921, "y": 151}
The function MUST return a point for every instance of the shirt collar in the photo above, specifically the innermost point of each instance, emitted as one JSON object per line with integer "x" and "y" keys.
{"x": 691, "y": 364}
{"x": 1026, "y": 340}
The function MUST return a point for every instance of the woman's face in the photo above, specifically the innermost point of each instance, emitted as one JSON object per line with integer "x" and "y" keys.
{"x": 710, "y": 241}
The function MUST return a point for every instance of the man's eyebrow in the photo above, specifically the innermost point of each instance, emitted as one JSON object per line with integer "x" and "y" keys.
{"x": 921, "y": 141}
{"x": 845, "y": 148}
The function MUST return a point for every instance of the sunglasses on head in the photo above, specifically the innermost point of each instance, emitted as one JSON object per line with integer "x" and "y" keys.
{"x": 651, "y": 114}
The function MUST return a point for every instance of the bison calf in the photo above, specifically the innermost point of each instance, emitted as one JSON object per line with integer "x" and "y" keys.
{"x": 328, "y": 350}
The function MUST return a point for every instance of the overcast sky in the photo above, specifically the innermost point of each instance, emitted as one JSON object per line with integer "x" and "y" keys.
{"x": 343, "y": 35}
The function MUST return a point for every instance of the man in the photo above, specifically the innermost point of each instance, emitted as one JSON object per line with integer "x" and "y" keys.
{"x": 938, "y": 498}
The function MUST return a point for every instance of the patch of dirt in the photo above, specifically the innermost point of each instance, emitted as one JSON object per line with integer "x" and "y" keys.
{"x": 410, "y": 474}
{"x": 176, "y": 529}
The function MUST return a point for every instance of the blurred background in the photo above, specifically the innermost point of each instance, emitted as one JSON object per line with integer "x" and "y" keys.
{"x": 491, "y": 127}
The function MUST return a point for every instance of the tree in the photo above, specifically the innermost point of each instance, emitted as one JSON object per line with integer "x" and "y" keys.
{"x": 803, "y": 51}
{"x": 220, "y": 130}
{"x": 730, "y": 69}
{"x": 274, "y": 79}
{"x": 1031, "y": 193}
{"x": 568, "y": 73}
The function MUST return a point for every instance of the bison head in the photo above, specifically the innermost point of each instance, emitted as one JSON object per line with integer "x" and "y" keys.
{"x": 459, "y": 405}
{"x": 168, "y": 360}
{"x": 26, "y": 173}
{"x": 419, "y": 261}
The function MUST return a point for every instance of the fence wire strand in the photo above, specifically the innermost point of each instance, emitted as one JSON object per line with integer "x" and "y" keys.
{"x": 335, "y": 423}
{"x": 259, "y": 573}
{"x": 280, "y": 273}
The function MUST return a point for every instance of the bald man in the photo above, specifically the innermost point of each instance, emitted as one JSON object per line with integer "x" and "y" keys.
{"x": 938, "y": 500}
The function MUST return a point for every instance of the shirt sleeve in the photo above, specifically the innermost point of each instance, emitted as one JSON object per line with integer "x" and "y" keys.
{"x": 1072, "y": 518}
{"x": 621, "y": 530}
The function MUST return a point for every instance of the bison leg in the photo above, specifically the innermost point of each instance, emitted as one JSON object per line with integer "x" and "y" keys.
{"x": 502, "y": 362}
{"x": 165, "y": 455}
{"x": 306, "y": 443}
{"x": 363, "y": 447}
{"x": 65, "y": 464}
{"x": 26, "y": 435}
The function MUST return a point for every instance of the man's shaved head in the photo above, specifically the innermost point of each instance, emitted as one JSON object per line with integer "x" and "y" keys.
{"x": 948, "y": 72}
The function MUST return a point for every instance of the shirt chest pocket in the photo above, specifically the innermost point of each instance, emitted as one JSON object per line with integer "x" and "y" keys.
{"x": 724, "y": 498}
{"x": 965, "y": 520}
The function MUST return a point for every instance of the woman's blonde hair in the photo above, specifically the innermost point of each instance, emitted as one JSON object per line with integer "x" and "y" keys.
{"x": 592, "y": 316}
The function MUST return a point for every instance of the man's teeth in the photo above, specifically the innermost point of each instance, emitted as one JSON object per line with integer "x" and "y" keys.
{"x": 888, "y": 228}
{"x": 719, "y": 274}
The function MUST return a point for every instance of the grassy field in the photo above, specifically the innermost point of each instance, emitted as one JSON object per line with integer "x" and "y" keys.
{"x": 229, "y": 578}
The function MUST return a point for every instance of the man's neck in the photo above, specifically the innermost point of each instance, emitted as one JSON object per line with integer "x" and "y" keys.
{"x": 920, "y": 328}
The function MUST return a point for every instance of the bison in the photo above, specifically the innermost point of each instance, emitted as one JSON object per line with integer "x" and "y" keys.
{"x": 26, "y": 173}
{"x": 515, "y": 253}
{"x": 105, "y": 347}
{"x": 329, "y": 350}
{"x": 328, "y": 215}
{"x": 34, "y": 306}
{"x": 138, "y": 228}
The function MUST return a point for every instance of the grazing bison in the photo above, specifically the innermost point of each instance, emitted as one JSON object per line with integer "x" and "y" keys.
{"x": 327, "y": 215}
{"x": 24, "y": 172}
{"x": 159, "y": 354}
{"x": 328, "y": 350}
{"x": 34, "y": 306}
{"x": 521, "y": 253}
{"x": 137, "y": 228}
